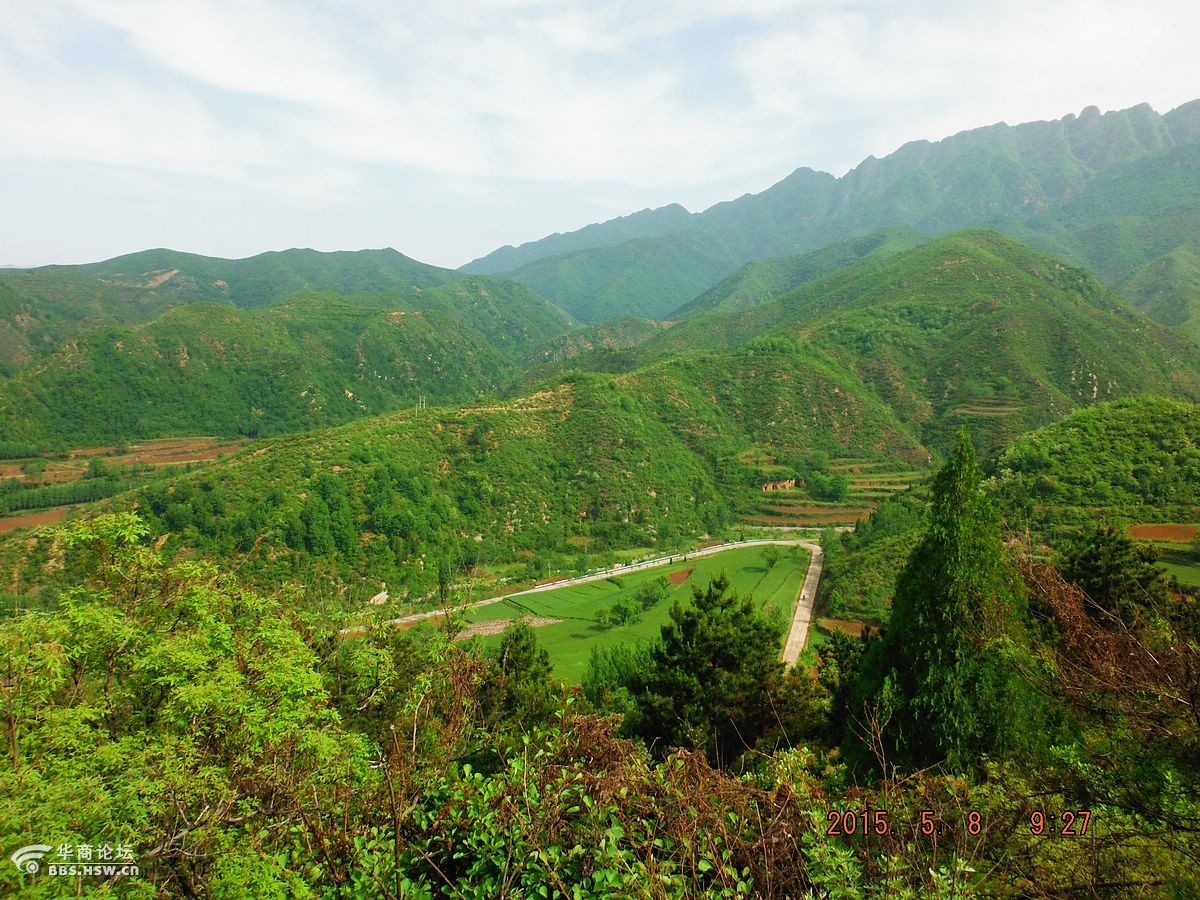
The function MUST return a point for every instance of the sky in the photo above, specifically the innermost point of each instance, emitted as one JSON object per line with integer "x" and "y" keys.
{"x": 447, "y": 129}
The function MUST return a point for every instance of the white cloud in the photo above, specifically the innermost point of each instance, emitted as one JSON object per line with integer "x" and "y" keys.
{"x": 295, "y": 105}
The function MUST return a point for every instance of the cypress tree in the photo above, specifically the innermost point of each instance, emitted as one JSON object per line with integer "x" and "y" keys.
{"x": 946, "y": 681}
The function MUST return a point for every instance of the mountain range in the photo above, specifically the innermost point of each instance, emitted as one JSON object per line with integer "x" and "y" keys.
{"x": 884, "y": 334}
{"x": 1073, "y": 187}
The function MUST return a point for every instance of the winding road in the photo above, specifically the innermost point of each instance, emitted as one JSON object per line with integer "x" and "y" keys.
{"x": 801, "y": 619}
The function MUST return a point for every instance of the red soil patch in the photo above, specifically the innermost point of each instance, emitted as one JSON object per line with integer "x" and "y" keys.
{"x": 679, "y": 576}
{"x": 1177, "y": 534}
{"x": 177, "y": 452}
{"x": 852, "y": 628}
{"x": 46, "y": 517}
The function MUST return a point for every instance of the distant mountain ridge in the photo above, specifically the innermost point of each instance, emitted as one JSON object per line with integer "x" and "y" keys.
{"x": 647, "y": 223}
{"x": 41, "y": 307}
{"x": 983, "y": 176}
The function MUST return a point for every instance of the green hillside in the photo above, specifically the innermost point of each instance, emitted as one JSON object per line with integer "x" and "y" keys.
{"x": 39, "y": 308}
{"x": 315, "y": 360}
{"x": 414, "y": 496}
{"x": 875, "y": 365}
{"x": 605, "y": 337}
{"x": 1167, "y": 289}
{"x": 985, "y": 176}
{"x": 970, "y": 329}
{"x": 647, "y": 223}
{"x": 1136, "y": 459}
{"x": 1138, "y": 232}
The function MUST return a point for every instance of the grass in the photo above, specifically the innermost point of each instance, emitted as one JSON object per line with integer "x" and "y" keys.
{"x": 570, "y": 641}
{"x": 1181, "y": 562}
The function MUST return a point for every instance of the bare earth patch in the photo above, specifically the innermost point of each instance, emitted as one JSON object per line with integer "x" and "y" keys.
{"x": 486, "y": 628}
{"x": 46, "y": 517}
{"x": 852, "y": 628}
{"x": 679, "y": 576}
{"x": 1178, "y": 534}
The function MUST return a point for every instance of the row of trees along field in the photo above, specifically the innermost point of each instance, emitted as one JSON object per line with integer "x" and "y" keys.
{"x": 1014, "y": 733}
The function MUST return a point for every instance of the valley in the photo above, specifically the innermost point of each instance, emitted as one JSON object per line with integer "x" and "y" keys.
{"x": 653, "y": 553}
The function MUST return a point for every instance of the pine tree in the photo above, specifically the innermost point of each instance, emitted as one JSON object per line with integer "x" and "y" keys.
{"x": 945, "y": 682}
{"x": 711, "y": 677}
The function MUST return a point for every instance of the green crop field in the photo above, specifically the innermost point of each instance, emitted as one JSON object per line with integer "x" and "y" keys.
{"x": 1181, "y": 562}
{"x": 570, "y": 641}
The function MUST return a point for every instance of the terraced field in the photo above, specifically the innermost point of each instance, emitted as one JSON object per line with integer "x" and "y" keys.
{"x": 871, "y": 482}
{"x": 997, "y": 407}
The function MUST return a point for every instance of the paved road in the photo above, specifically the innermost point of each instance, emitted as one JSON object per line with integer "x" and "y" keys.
{"x": 801, "y": 618}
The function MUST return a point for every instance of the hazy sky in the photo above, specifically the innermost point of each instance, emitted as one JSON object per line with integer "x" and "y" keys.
{"x": 450, "y": 127}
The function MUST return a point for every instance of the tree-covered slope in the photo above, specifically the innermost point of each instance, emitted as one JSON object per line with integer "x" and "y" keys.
{"x": 415, "y": 496}
{"x": 973, "y": 328}
{"x": 39, "y": 308}
{"x": 1136, "y": 458}
{"x": 316, "y": 360}
{"x": 978, "y": 177}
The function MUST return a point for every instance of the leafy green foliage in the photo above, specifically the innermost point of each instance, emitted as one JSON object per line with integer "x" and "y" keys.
{"x": 1118, "y": 576}
{"x": 526, "y": 692}
{"x": 164, "y": 708}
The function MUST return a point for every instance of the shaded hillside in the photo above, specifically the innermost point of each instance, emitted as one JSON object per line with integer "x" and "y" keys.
{"x": 646, "y": 278}
{"x": 765, "y": 279}
{"x": 973, "y": 328}
{"x": 316, "y": 360}
{"x": 1139, "y": 232}
{"x": 39, "y": 308}
{"x": 647, "y": 223}
{"x": 977, "y": 177}
{"x": 609, "y": 336}
{"x": 1167, "y": 289}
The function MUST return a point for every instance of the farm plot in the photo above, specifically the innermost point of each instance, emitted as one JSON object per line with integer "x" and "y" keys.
{"x": 1176, "y": 552}
{"x": 577, "y": 608}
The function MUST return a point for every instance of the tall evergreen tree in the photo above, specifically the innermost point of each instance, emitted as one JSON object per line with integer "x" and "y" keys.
{"x": 944, "y": 686}
{"x": 711, "y": 677}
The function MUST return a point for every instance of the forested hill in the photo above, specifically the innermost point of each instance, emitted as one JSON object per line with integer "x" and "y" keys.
{"x": 40, "y": 308}
{"x": 315, "y": 360}
{"x": 978, "y": 177}
{"x": 1136, "y": 459}
{"x": 973, "y": 328}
